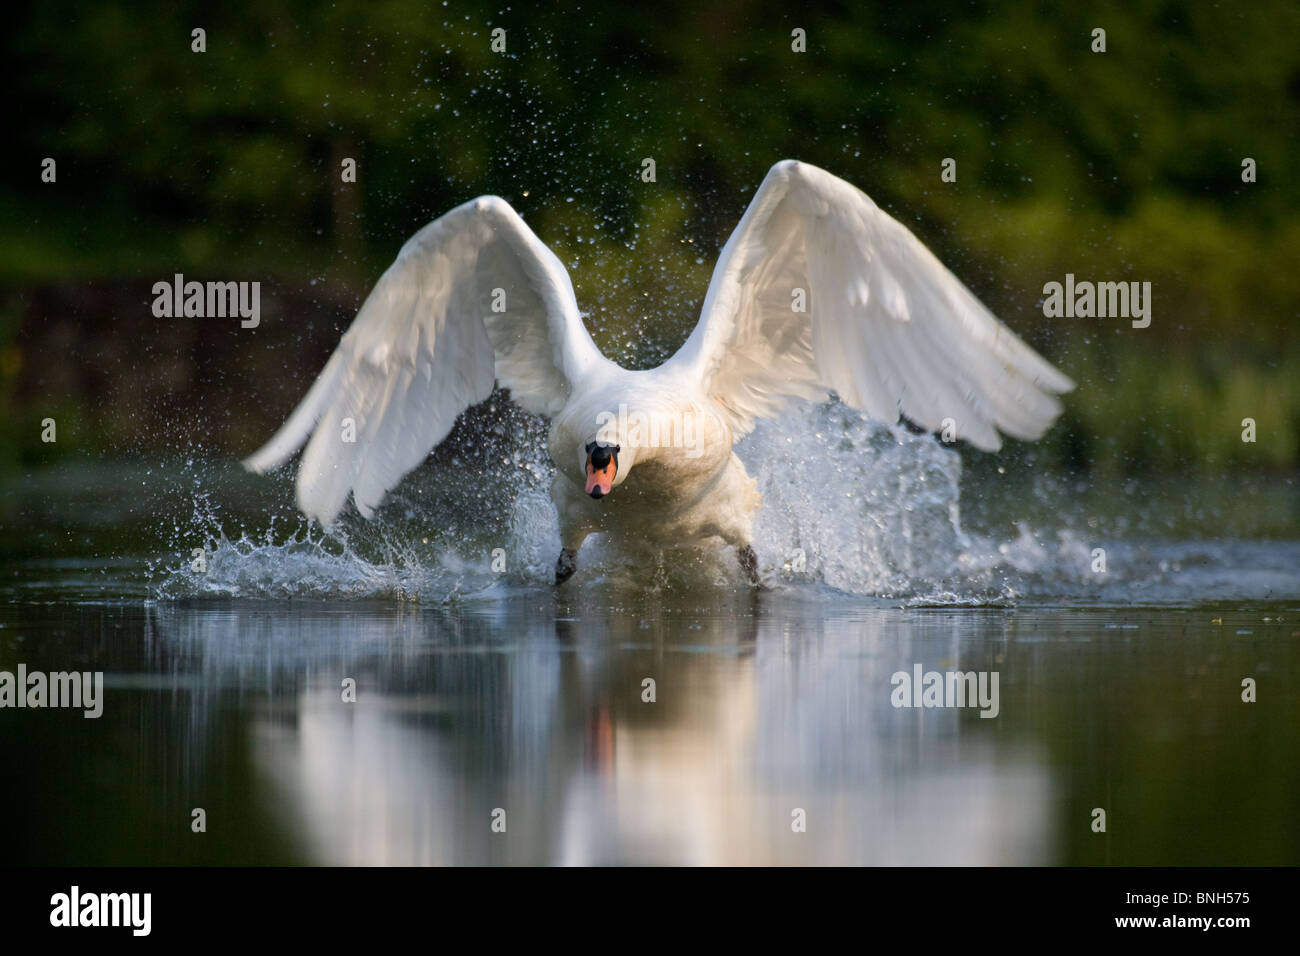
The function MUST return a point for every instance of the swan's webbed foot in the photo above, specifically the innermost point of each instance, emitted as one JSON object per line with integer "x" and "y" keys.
{"x": 565, "y": 565}
{"x": 748, "y": 562}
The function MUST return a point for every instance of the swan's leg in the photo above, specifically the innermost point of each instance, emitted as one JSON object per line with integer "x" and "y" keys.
{"x": 575, "y": 525}
{"x": 740, "y": 492}
{"x": 748, "y": 562}
{"x": 566, "y": 565}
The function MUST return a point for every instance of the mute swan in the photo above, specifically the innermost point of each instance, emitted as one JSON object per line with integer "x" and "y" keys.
{"x": 817, "y": 289}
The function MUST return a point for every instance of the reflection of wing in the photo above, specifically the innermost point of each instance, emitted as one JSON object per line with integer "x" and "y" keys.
{"x": 425, "y": 346}
{"x": 887, "y": 326}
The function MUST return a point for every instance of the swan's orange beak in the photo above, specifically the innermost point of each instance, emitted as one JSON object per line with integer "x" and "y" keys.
{"x": 602, "y": 465}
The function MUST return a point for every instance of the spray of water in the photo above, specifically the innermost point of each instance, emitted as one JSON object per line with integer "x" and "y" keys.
{"x": 882, "y": 520}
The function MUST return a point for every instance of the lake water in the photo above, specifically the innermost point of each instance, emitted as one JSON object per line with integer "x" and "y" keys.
{"x": 485, "y": 700}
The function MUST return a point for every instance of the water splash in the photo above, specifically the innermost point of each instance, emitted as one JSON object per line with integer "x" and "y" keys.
{"x": 882, "y": 519}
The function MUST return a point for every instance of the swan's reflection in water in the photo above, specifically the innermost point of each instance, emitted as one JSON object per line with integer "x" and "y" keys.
{"x": 763, "y": 708}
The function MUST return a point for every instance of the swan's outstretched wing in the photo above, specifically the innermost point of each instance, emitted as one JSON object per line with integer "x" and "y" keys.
{"x": 886, "y": 325}
{"x": 472, "y": 297}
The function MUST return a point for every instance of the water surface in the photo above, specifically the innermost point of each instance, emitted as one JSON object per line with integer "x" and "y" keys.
{"x": 484, "y": 696}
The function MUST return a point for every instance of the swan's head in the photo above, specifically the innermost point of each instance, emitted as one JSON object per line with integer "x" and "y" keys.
{"x": 601, "y": 468}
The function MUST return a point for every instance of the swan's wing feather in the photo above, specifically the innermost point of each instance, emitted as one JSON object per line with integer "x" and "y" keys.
{"x": 884, "y": 323}
{"x": 472, "y": 297}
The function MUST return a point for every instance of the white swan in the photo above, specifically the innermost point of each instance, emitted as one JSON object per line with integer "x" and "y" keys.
{"x": 817, "y": 289}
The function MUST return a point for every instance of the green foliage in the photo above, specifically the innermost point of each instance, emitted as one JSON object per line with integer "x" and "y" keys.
{"x": 1116, "y": 166}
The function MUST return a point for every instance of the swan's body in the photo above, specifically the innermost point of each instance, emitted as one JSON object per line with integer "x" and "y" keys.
{"x": 816, "y": 290}
{"x": 674, "y": 492}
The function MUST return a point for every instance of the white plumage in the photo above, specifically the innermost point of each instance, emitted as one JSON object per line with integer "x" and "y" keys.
{"x": 883, "y": 324}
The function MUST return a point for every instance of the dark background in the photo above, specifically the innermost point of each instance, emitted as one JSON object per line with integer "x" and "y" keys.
{"x": 224, "y": 165}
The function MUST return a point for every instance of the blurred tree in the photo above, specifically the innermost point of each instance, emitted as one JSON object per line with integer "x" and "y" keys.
{"x": 1117, "y": 165}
